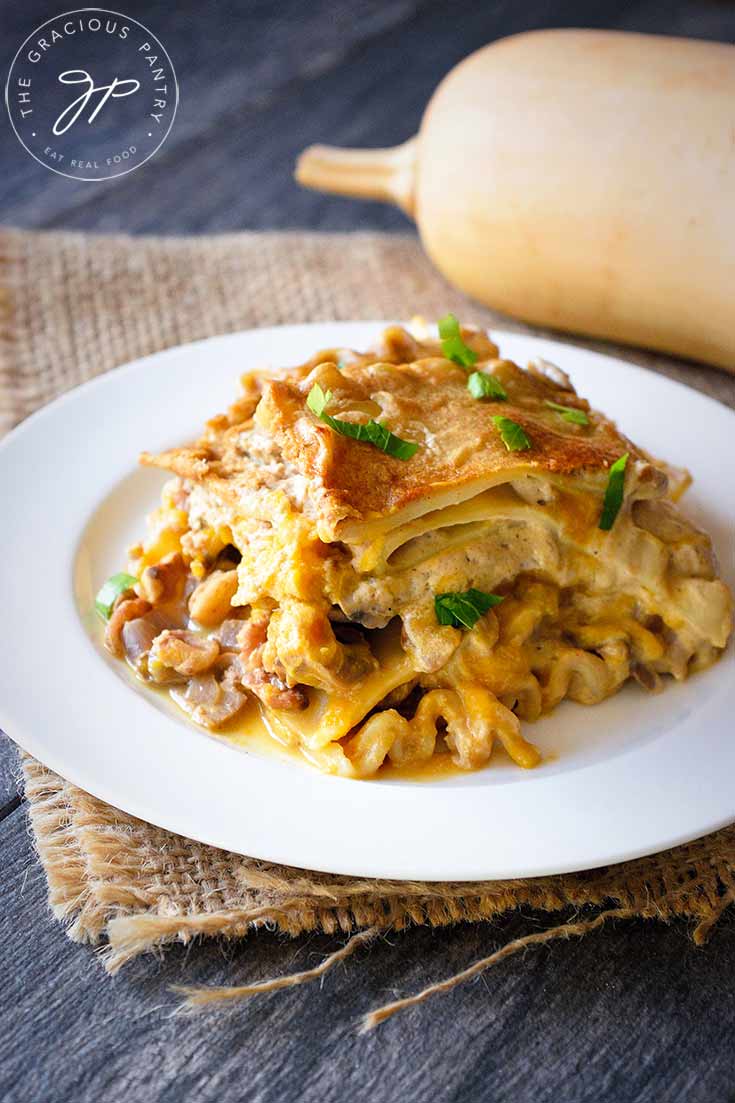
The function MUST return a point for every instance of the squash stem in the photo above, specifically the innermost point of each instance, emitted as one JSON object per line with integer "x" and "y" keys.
{"x": 386, "y": 174}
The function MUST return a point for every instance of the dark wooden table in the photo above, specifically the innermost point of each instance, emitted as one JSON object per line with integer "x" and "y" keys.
{"x": 632, "y": 1013}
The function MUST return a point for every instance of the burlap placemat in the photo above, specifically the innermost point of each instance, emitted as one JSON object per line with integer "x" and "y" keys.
{"x": 76, "y": 305}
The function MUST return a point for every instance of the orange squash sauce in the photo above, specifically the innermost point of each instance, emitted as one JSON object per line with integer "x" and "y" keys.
{"x": 438, "y": 768}
{"x": 579, "y": 513}
{"x": 248, "y": 732}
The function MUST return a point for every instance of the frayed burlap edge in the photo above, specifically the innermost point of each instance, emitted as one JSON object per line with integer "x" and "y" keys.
{"x": 134, "y": 888}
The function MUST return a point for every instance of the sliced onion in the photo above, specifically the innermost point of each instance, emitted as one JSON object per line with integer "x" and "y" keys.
{"x": 229, "y": 671}
{"x": 201, "y": 691}
{"x": 229, "y": 704}
{"x": 169, "y": 619}
{"x": 228, "y": 632}
{"x": 137, "y": 637}
{"x": 208, "y": 702}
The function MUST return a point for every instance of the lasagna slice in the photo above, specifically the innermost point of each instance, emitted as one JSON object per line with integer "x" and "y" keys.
{"x": 411, "y": 551}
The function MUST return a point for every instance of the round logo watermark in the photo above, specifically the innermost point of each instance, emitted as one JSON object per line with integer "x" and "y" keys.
{"x": 91, "y": 94}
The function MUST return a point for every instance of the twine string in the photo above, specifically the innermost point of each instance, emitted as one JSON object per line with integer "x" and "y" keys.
{"x": 200, "y": 995}
{"x": 572, "y": 929}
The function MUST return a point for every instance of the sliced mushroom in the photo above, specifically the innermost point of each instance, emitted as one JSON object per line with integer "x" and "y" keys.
{"x": 213, "y": 698}
{"x": 125, "y": 611}
{"x": 253, "y": 634}
{"x": 273, "y": 692}
{"x": 138, "y": 636}
{"x": 182, "y": 651}
{"x": 164, "y": 581}
{"x": 229, "y": 634}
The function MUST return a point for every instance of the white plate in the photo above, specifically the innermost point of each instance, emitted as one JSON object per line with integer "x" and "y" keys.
{"x": 628, "y": 777}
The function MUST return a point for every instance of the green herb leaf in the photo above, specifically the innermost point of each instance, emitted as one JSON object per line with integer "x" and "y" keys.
{"x": 453, "y": 346}
{"x": 374, "y": 432}
{"x": 511, "y": 434}
{"x": 613, "y": 493}
{"x": 482, "y": 385}
{"x": 317, "y": 399}
{"x": 463, "y": 610}
{"x": 569, "y": 413}
{"x": 110, "y": 592}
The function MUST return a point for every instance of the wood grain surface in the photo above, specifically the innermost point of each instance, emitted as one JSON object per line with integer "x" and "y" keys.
{"x": 612, "y": 1017}
{"x": 635, "y": 1013}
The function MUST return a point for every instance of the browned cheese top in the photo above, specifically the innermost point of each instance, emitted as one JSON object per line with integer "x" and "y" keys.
{"x": 409, "y": 386}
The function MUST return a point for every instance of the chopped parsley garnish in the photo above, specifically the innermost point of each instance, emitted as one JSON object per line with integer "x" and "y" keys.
{"x": 453, "y": 346}
{"x": 569, "y": 413}
{"x": 613, "y": 493}
{"x": 511, "y": 434}
{"x": 464, "y": 610}
{"x": 110, "y": 592}
{"x": 373, "y": 432}
{"x": 482, "y": 385}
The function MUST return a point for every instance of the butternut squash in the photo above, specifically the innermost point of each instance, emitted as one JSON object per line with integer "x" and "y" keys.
{"x": 582, "y": 180}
